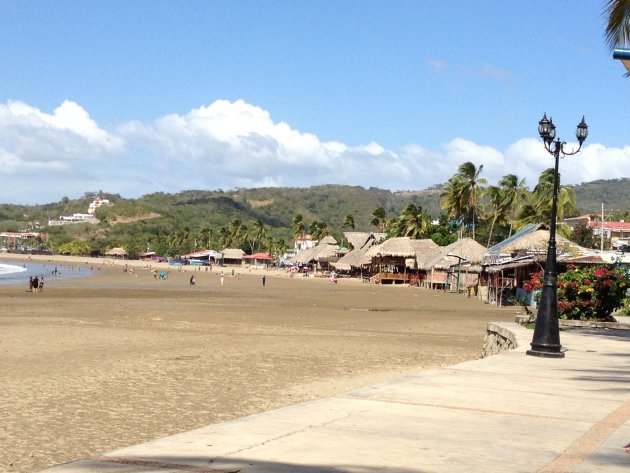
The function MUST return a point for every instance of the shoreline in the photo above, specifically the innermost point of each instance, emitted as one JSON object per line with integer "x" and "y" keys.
{"x": 108, "y": 262}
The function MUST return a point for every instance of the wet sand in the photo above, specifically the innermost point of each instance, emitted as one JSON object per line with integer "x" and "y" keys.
{"x": 114, "y": 359}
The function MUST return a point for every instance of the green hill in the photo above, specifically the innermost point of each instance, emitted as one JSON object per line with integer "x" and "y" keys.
{"x": 199, "y": 216}
{"x": 613, "y": 193}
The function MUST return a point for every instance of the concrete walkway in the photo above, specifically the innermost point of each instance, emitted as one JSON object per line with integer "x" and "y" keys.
{"x": 506, "y": 413}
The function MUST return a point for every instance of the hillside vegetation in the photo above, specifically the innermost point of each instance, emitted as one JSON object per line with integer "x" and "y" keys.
{"x": 201, "y": 217}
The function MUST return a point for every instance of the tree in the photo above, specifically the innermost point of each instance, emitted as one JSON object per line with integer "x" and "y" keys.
{"x": 238, "y": 231}
{"x": 298, "y": 227}
{"x": 225, "y": 237}
{"x": 514, "y": 195}
{"x": 537, "y": 208}
{"x": 319, "y": 229}
{"x": 617, "y": 32}
{"x": 583, "y": 235}
{"x": 205, "y": 237}
{"x": 257, "y": 235}
{"x": 379, "y": 219}
{"x": 462, "y": 193}
{"x": 443, "y": 233}
{"x": 497, "y": 203}
{"x": 412, "y": 222}
{"x": 348, "y": 222}
{"x": 451, "y": 202}
{"x": 544, "y": 196}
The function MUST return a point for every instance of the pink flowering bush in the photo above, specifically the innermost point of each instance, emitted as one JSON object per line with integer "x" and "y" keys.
{"x": 587, "y": 293}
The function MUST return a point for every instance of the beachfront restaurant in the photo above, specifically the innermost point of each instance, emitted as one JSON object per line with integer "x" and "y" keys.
{"x": 202, "y": 258}
{"x": 258, "y": 260}
{"x": 389, "y": 260}
{"x": 508, "y": 264}
{"x": 455, "y": 267}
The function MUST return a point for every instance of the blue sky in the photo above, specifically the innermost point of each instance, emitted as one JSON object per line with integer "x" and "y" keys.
{"x": 143, "y": 96}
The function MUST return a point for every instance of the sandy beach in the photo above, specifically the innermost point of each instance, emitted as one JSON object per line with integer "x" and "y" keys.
{"x": 117, "y": 358}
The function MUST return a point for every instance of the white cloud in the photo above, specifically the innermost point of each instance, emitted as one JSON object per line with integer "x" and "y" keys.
{"x": 235, "y": 144}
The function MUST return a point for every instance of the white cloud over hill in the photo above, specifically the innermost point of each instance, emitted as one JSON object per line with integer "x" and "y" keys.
{"x": 44, "y": 156}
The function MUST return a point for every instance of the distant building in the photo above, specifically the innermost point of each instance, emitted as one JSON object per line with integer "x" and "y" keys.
{"x": 613, "y": 231}
{"x": 96, "y": 203}
{"x": 21, "y": 240}
{"x": 305, "y": 243}
{"x": 573, "y": 222}
{"x": 79, "y": 218}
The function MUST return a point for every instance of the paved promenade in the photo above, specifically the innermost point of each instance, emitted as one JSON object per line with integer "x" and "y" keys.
{"x": 506, "y": 413}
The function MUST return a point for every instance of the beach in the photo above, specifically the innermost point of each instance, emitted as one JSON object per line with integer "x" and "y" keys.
{"x": 119, "y": 357}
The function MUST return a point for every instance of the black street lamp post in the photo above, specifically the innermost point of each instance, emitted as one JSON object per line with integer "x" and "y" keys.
{"x": 546, "y": 340}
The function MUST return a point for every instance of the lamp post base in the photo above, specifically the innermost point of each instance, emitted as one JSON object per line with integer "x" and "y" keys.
{"x": 546, "y": 351}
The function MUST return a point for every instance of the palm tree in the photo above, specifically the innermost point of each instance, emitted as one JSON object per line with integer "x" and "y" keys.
{"x": 497, "y": 202}
{"x": 319, "y": 229}
{"x": 537, "y": 208}
{"x": 514, "y": 194}
{"x": 544, "y": 192}
{"x": 298, "y": 227}
{"x": 348, "y": 221}
{"x": 238, "y": 232}
{"x": 617, "y": 32}
{"x": 225, "y": 237}
{"x": 412, "y": 222}
{"x": 205, "y": 236}
{"x": 257, "y": 235}
{"x": 451, "y": 201}
{"x": 281, "y": 246}
{"x": 463, "y": 191}
{"x": 379, "y": 219}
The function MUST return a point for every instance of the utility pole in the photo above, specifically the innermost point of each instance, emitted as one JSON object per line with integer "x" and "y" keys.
{"x": 601, "y": 244}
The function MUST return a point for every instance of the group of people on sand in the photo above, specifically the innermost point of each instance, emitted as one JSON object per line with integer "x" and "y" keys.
{"x": 36, "y": 284}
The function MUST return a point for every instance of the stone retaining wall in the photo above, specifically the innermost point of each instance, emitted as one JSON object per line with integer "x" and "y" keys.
{"x": 497, "y": 339}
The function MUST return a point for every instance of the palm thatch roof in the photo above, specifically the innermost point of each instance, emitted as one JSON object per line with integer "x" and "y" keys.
{"x": 425, "y": 250}
{"x": 359, "y": 239}
{"x": 356, "y": 258}
{"x": 326, "y": 250}
{"x": 306, "y": 256}
{"x": 116, "y": 252}
{"x": 233, "y": 253}
{"x": 328, "y": 240}
{"x": 466, "y": 249}
{"x": 398, "y": 247}
{"x": 534, "y": 239}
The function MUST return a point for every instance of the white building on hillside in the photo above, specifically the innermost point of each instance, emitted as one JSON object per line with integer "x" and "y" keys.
{"x": 96, "y": 203}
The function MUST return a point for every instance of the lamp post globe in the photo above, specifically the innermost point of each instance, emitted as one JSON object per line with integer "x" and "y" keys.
{"x": 546, "y": 339}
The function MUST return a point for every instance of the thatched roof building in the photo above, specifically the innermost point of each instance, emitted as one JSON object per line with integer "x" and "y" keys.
{"x": 233, "y": 256}
{"x": 233, "y": 253}
{"x": 467, "y": 249}
{"x": 118, "y": 252}
{"x": 425, "y": 250}
{"x": 532, "y": 239}
{"x": 326, "y": 251}
{"x": 398, "y": 247}
{"x": 361, "y": 242}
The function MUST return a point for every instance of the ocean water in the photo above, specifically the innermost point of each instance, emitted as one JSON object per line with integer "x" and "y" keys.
{"x": 19, "y": 272}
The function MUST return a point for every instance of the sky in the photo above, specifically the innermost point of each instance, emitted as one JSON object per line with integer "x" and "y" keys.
{"x": 135, "y": 97}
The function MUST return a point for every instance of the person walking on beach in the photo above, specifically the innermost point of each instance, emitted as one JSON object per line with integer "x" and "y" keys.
{"x": 41, "y": 283}
{"x": 264, "y": 280}
{"x": 35, "y": 284}
{"x": 30, "y": 284}
{"x": 192, "y": 280}
{"x": 222, "y": 277}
